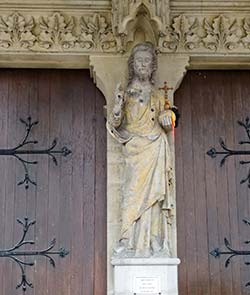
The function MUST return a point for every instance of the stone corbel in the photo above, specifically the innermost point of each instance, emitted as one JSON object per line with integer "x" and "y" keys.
{"x": 172, "y": 68}
{"x": 107, "y": 72}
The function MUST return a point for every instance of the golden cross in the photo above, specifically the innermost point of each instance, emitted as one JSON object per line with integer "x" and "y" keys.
{"x": 165, "y": 88}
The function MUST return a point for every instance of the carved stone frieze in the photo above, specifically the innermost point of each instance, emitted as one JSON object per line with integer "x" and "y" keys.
{"x": 16, "y": 31}
{"x": 101, "y": 32}
{"x": 57, "y": 32}
{"x": 209, "y": 34}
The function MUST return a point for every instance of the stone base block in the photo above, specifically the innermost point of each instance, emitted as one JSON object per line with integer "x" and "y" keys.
{"x": 152, "y": 276}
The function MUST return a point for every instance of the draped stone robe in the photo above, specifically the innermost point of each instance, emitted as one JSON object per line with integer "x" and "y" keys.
{"x": 145, "y": 192}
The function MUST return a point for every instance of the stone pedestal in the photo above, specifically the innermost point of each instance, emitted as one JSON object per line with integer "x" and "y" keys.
{"x": 145, "y": 276}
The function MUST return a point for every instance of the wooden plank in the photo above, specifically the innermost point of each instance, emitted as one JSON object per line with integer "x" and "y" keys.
{"x": 67, "y": 79}
{"x": 89, "y": 143}
{"x": 4, "y": 85}
{"x": 221, "y": 95}
{"x": 77, "y": 197}
{"x": 241, "y": 110}
{"x": 26, "y": 199}
{"x": 199, "y": 151}
{"x": 232, "y": 183}
{"x": 42, "y": 177}
{"x": 100, "y": 199}
{"x": 210, "y": 180}
{"x": 189, "y": 196}
{"x": 10, "y": 279}
{"x": 180, "y": 198}
{"x": 54, "y": 175}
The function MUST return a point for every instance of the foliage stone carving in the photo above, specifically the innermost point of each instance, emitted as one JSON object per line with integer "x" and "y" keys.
{"x": 56, "y": 32}
{"x": 218, "y": 33}
{"x": 16, "y": 31}
{"x": 222, "y": 33}
{"x": 246, "y": 39}
{"x": 96, "y": 33}
{"x": 183, "y": 33}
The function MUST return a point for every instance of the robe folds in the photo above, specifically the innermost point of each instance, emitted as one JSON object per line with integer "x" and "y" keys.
{"x": 145, "y": 189}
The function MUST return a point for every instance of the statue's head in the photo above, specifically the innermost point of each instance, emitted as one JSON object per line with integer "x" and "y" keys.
{"x": 142, "y": 62}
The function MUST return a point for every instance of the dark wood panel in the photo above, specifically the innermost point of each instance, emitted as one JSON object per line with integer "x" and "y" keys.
{"x": 100, "y": 284}
{"x": 42, "y": 175}
{"x": 69, "y": 201}
{"x": 211, "y": 202}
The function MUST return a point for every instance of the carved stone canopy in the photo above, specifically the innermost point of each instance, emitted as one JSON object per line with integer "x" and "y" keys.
{"x": 150, "y": 18}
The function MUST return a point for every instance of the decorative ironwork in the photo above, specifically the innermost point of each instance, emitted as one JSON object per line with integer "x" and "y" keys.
{"x": 18, "y": 151}
{"x": 14, "y": 253}
{"x": 232, "y": 252}
{"x": 228, "y": 152}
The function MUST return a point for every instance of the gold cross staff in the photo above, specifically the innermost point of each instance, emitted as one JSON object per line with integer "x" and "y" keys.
{"x": 165, "y": 88}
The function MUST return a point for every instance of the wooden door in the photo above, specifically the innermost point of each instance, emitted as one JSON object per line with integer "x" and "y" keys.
{"x": 69, "y": 201}
{"x": 211, "y": 202}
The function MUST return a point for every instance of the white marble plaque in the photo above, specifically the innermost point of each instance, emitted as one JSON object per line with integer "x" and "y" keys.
{"x": 147, "y": 285}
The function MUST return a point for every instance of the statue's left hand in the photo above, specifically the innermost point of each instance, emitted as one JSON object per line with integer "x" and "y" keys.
{"x": 165, "y": 119}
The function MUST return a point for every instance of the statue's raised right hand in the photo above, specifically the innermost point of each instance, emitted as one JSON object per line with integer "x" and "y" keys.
{"x": 119, "y": 94}
{"x": 119, "y": 99}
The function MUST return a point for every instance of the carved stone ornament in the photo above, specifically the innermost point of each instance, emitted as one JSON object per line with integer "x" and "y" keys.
{"x": 16, "y": 31}
{"x": 210, "y": 34}
{"x": 57, "y": 32}
{"x": 128, "y": 16}
{"x": 98, "y": 32}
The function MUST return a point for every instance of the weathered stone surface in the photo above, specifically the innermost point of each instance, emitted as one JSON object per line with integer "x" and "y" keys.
{"x": 163, "y": 271}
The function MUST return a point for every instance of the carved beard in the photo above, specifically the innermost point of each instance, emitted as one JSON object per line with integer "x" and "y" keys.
{"x": 143, "y": 76}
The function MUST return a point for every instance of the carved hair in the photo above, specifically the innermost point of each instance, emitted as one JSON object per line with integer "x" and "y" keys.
{"x": 148, "y": 47}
